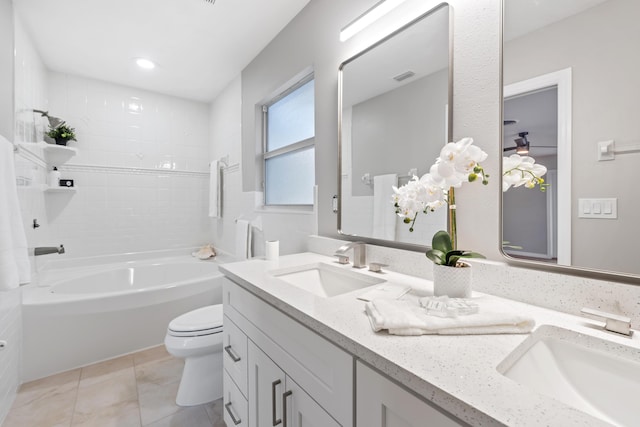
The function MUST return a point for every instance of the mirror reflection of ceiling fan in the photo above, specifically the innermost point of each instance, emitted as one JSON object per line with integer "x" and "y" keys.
{"x": 522, "y": 143}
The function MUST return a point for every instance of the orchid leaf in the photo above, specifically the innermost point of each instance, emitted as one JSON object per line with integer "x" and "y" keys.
{"x": 437, "y": 256}
{"x": 442, "y": 241}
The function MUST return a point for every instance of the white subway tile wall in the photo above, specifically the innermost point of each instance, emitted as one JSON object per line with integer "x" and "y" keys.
{"x": 140, "y": 173}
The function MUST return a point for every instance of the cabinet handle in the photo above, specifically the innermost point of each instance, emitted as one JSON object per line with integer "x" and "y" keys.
{"x": 284, "y": 407}
{"x": 232, "y": 354}
{"x": 273, "y": 403}
{"x": 235, "y": 420}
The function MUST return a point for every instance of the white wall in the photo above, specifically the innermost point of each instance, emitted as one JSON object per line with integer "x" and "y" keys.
{"x": 291, "y": 228}
{"x": 311, "y": 39}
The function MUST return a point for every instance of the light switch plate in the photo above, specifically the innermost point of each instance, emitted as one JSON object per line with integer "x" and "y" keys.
{"x": 598, "y": 208}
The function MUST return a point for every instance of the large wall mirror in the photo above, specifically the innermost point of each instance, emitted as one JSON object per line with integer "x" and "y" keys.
{"x": 570, "y": 100}
{"x": 394, "y": 119}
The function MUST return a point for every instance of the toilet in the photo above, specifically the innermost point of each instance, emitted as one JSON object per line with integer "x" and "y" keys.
{"x": 196, "y": 337}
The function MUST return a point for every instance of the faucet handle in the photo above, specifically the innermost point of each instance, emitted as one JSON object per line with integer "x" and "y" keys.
{"x": 613, "y": 322}
{"x": 376, "y": 267}
{"x": 342, "y": 259}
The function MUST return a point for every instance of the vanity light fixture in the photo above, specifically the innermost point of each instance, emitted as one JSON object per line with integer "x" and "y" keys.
{"x": 370, "y": 16}
{"x": 145, "y": 63}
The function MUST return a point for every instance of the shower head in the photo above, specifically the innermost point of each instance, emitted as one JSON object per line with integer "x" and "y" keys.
{"x": 53, "y": 121}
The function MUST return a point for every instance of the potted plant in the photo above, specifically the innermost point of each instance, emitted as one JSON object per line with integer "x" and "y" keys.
{"x": 459, "y": 162}
{"x": 453, "y": 282}
{"x": 62, "y": 133}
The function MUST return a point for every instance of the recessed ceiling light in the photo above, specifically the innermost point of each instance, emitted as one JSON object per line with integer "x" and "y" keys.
{"x": 145, "y": 63}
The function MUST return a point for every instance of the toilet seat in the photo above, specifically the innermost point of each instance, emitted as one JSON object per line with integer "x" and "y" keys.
{"x": 199, "y": 322}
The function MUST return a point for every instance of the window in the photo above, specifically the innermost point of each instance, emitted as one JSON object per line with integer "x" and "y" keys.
{"x": 289, "y": 152}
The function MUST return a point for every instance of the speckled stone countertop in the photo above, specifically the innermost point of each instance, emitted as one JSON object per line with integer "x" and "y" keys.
{"x": 457, "y": 373}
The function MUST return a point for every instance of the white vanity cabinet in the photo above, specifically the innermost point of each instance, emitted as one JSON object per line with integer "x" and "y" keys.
{"x": 382, "y": 403}
{"x": 275, "y": 399}
{"x": 289, "y": 367}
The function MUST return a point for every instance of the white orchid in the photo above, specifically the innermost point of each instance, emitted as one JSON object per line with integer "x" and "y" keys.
{"x": 418, "y": 195}
{"x": 522, "y": 170}
{"x": 458, "y": 162}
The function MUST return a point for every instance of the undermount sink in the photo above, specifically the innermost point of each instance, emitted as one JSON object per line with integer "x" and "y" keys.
{"x": 324, "y": 279}
{"x": 599, "y": 377}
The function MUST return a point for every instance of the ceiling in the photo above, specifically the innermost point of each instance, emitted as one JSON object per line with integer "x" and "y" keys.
{"x": 199, "y": 47}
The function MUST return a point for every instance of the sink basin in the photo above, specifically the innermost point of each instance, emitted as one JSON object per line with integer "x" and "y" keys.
{"x": 599, "y": 377}
{"x": 324, "y": 279}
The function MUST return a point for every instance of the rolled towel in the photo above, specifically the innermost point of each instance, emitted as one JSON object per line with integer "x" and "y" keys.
{"x": 407, "y": 317}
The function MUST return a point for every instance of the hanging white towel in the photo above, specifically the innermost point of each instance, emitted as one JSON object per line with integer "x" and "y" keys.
{"x": 407, "y": 317}
{"x": 215, "y": 189}
{"x": 384, "y": 216}
{"x": 14, "y": 259}
{"x": 243, "y": 239}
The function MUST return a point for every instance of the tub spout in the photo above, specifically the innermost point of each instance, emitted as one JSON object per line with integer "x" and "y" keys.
{"x": 48, "y": 250}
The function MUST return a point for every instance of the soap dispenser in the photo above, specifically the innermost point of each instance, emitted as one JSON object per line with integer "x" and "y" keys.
{"x": 54, "y": 177}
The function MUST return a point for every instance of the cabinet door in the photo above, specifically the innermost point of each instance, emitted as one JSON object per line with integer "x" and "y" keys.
{"x": 382, "y": 403}
{"x": 266, "y": 386}
{"x": 302, "y": 410}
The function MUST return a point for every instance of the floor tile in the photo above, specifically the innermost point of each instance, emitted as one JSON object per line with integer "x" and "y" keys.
{"x": 151, "y": 355}
{"x": 47, "y": 388}
{"x": 52, "y": 410}
{"x": 215, "y": 411}
{"x": 195, "y": 416}
{"x": 122, "y": 414}
{"x": 157, "y": 401}
{"x": 112, "y": 390}
{"x": 159, "y": 372}
{"x": 100, "y": 371}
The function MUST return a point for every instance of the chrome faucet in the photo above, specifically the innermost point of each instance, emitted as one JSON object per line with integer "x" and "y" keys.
{"x": 359, "y": 254}
{"x": 613, "y": 322}
{"x": 48, "y": 250}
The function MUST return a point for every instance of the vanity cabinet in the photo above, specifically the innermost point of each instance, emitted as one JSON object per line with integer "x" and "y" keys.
{"x": 276, "y": 399}
{"x": 288, "y": 368}
{"x": 382, "y": 403}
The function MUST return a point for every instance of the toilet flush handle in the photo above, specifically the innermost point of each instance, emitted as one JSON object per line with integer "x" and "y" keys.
{"x": 232, "y": 354}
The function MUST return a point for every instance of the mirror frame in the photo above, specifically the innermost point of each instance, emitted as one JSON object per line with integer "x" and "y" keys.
{"x": 586, "y": 272}
{"x": 449, "y": 127}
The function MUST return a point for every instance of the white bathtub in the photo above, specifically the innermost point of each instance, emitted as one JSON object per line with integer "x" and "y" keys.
{"x": 89, "y": 311}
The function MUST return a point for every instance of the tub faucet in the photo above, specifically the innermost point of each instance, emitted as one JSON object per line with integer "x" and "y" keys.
{"x": 48, "y": 250}
{"x": 359, "y": 253}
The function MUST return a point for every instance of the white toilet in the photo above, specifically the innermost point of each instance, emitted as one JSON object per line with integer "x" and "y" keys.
{"x": 196, "y": 336}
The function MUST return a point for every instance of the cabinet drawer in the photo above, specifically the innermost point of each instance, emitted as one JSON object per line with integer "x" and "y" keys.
{"x": 321, "y": 368}
{"x": 236, "y": 409}
{"x": 235, "y": 354}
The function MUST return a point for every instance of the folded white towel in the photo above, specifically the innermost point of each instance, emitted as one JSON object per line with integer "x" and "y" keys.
{"x": 384, "y": 217}
{"x": 407, "y": 317}
{"x": 243, "y": 239}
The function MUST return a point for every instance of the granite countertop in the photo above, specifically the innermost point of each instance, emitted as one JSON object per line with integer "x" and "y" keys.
{"x": 457, "y": 373}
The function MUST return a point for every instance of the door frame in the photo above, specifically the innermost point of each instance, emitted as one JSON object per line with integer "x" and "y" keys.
{"x": 562, "y": 80}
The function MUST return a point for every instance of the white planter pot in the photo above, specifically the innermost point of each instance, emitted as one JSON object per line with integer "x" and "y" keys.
{"x": 454, "y": 282}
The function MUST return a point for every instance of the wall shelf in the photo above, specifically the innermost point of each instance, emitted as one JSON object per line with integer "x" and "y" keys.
{"x": 48, "y": 189}
{"x": 53, "y": 154}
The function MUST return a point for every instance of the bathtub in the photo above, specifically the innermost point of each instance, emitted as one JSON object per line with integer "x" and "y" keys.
{"x": 86, "y": 311}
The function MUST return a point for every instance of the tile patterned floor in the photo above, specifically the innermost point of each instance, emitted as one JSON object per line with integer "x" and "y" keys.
{"x": 130, "y": 391}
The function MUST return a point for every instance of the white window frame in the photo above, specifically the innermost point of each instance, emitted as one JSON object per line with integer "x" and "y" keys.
{"x": 296, "y": 146}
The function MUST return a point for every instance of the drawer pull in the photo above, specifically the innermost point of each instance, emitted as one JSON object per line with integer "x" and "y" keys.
{"x": 232, "y": 354}
{"x": 273, "y": 403}
{"x": 284, "y": 407}
{"x": 235, "y": 420}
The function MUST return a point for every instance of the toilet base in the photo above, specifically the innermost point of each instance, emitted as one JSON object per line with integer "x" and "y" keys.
{"x": 201, "y": 380}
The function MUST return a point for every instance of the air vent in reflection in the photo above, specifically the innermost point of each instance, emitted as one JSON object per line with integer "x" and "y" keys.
{"x": 404, "y": 76}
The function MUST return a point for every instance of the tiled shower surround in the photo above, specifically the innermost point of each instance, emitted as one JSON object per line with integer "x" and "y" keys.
{"x": 140, "y": 172}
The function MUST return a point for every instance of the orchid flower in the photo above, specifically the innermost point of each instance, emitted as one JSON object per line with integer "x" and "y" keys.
{"x": 522, "y": 170}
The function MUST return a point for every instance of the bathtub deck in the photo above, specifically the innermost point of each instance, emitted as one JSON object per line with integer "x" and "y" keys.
{"x": 133, "y": 390}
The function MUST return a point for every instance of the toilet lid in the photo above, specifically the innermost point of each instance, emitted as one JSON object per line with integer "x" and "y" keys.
{"x": 201, "y": 319}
